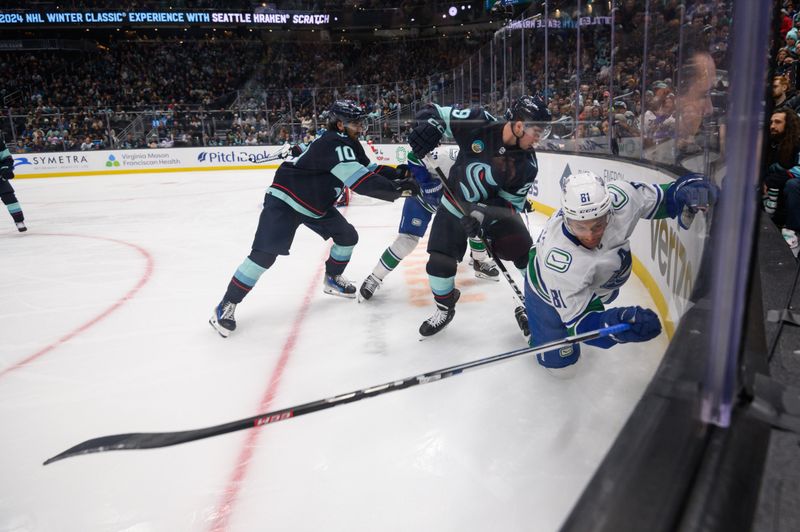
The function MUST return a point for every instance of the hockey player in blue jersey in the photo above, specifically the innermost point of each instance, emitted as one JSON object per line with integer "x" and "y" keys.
{"x": 7, "y": 195}
{"x": 583, "y": 257}
{"x": 417, "y": 214}
{"x": 303, "y": 192}
{"x": 490, "y": 179}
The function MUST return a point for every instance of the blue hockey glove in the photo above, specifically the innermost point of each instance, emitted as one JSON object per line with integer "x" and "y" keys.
{"x": 643, "y": 321}
{"x": 688, "y": 195}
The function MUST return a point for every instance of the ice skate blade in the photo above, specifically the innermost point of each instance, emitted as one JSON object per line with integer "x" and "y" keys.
{"x": 332, "y": 292}
{"x": 481, "y": 275}
{"x": 219, "y": 328}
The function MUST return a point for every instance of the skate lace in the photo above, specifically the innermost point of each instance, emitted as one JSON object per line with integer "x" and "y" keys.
{"x": 227, "y": 311}
{"x": 371, "y": 283}
{"x": 438, "y": 318}
{"x": 340, "y": 281}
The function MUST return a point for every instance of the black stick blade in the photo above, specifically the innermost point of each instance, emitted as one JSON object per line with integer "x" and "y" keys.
{"x": 121, "y": 442}
{"x": 153, "y": 440}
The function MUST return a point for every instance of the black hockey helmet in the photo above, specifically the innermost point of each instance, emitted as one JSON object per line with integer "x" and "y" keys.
{"x": 531, "y": 110}
{"x": 346, "y": 111}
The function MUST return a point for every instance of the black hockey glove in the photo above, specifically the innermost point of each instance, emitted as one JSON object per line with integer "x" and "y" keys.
{"x": 403, "y": 171}
{"x": 425, "y": 137}
{"x": 7, "y": 168}
{"x": 528, "y": 206}
{"x": 473, "y": 220}
{"x": 407, "y": 187}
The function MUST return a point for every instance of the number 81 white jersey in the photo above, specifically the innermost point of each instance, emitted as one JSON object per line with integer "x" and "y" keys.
{"x": 568, "y": 275}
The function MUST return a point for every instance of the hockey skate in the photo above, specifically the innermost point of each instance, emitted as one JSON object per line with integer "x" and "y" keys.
{"x": 485, "y": 270}
{"x": 441, "y": 317}
{"x": 336, "y": 285}
{"x": 522, "y": 320}
{"x": 368, "y": 287}
{"x": 21, "y": 227}
{"x": 223, "y": 320}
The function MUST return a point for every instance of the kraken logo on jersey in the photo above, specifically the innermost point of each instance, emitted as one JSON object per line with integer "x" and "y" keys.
{"x": 619, "y": 277}
{"x": 558, "y": 260}
{"x": 475, "y": 175}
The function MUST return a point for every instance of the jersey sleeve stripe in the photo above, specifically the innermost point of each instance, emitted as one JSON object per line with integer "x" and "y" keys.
{"x": 293, "y": 201}
{"x": 444, "y": 114}
{"x": 350, "y": 172}
{"x": 659, "y": 199}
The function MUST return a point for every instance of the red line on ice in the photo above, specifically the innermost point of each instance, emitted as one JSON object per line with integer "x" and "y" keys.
{"x": 220, "y": 517}
{"x": 121, "y": 301}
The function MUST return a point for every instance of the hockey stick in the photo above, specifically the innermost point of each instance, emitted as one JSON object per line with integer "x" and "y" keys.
{"x": 499, "y": 263}
{"x": 152, "y": 440}
{"x": 256, "y": 159}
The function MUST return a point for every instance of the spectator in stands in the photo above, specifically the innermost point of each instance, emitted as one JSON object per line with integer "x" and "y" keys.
{"x": 781, "y": 184}
{"x": 87, "y": 144}
{"x": 780, "y": 87}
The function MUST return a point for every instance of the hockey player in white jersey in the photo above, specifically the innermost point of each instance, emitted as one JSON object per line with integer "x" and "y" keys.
{"x": 583, "y": 257}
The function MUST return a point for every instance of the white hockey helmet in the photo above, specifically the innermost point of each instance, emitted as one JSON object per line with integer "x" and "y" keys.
{"x": 584, "y": 196}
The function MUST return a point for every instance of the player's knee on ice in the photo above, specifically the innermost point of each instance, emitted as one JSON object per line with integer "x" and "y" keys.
{"x": 545, "y": 326}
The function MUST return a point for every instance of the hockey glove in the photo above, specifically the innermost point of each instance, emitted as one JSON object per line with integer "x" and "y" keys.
{"x": 644, "y": 323}
{"x": 688, "y": 195}
{"x": 425, "y": 137}
{"x": 403, "y": 171}
{"x": 7, "y": 168}
{"x": 473, "y": 220}
{"x": 407, "y": 187}
{"x": 528, "y": 205}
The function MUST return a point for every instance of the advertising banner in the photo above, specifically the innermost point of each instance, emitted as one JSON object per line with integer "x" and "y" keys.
{"x": 666, "y": 258}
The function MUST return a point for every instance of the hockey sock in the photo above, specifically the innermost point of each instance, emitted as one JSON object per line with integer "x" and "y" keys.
{"x": 386, "y": 264}
{"x": 478, "y": 250}
{"x": 13, "y": 207}
{"x": 403, "y": 245}
{"x": 16, "y": 214}
{"x": 338, "y": 259}
{"x": 442, "y": 288}
{"x": 245, "y": 278}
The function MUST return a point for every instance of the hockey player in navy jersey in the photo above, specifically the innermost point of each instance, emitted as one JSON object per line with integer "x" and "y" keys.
{"x": 417, "y": 214}
{"x": 583, "y": 257}
{"x": 7, "y": 191}
{"x": 303, "y": 192}
{"x": 490, "y": 179}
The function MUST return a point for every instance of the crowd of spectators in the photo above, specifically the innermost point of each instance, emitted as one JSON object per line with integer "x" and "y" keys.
{"x": 203, "y": 91}
{"x": 238, "y": 88}
{"x": 781, "y": 175}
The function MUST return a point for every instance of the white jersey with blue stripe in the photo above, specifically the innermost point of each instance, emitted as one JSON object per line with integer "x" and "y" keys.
{"x": 569, "y": 276}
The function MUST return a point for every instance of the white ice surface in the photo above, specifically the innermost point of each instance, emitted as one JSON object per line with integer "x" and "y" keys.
{"x": 104, "y": 305}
